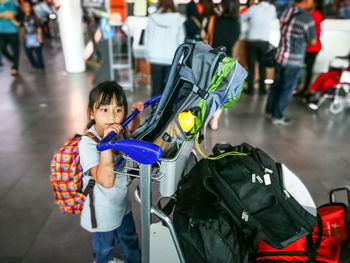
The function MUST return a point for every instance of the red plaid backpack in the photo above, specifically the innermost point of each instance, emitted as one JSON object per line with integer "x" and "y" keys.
{"x": 66, "y": 178}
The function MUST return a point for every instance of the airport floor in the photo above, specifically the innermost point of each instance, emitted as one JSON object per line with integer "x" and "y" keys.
{"x": 39, "y": 111}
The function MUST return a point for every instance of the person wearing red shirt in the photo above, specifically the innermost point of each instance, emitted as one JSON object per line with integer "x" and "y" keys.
{"x": 313, "y": 50}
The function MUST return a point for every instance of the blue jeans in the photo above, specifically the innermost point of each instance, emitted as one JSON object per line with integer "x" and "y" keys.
{"x": 35, "y": 56}
{"x": 286, "y": 80}
{"x": 128, "y": 244}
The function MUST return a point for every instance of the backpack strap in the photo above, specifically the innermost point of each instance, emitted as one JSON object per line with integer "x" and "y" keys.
{"x": 89, "y": 190}
{"x": 91, "y": 136}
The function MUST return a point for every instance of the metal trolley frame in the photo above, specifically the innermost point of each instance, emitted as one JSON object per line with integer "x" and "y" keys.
{"x": 167, "y": 172}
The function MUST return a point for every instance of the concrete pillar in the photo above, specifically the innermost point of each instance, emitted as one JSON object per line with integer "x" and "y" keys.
{"x": 71, "y": 32}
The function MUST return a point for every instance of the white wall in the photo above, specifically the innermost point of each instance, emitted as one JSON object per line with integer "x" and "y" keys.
{"x": 335, "y": 39}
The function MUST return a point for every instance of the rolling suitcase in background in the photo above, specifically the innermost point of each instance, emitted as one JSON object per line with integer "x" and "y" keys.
{"x": 329, "y": 241}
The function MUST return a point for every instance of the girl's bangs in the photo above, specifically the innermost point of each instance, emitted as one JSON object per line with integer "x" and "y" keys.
{"x": 105, "y": 98}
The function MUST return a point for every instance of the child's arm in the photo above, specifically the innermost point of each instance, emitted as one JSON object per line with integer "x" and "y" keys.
{"x": 103, "y": 173}
{"x": 136, "y": 122}
{"x": 7, "y": 15}
{"x": 39, "y": 31}
{"x": 15, "y": 22}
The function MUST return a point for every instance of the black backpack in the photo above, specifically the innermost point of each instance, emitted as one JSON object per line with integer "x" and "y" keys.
{"x": 206, "y": 231}
{"x": 255, "y": 189}
{"x": 224, "y": 206}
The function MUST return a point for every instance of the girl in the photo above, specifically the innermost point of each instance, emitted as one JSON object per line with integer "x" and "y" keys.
{"x": 107, "y": 108}
{"x": 31, "y": 29}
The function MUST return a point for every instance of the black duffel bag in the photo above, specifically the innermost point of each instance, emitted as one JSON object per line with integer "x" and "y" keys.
{"x": 261, "y": 195}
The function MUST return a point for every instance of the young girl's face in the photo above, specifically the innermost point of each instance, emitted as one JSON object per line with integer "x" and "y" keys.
{"x": 26, "y": 8}
{"x": 107, "y": 115}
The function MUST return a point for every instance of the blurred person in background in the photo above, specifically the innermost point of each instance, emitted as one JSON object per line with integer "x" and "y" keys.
{"x": 222, "y": 29}
{"x": 260, "y": 18}
{"x": 1, "y": 63}
{"x": 297, "y": 30}
{"x": 164, "y": 33}
{"x": 312, "y": 50}
{"x": 30, "y": 28}
{"x": 193, "y": 23}
{"x": 9, "y": 34}
{"x": 226, "y": 27}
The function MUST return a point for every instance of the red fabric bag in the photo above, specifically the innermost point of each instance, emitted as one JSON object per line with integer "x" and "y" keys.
{"x": 323, "y": 245}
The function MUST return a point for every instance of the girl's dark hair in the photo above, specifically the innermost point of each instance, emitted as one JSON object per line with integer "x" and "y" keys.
{"x": 230, "y": 8}
{"x": 166, "y": 5}
{"x": 319, "y": 7}
{"x": 103, "y": 94}
{"x": 208, "y": 8}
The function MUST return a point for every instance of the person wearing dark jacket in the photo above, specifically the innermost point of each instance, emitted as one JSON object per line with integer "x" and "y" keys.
{"x": 225, "y": 32}
{"x": 193, "y": 23}
{"x": 226, "y": 26}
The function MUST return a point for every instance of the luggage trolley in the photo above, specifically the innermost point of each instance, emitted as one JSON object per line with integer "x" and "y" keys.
{"x": 159, "y": 243}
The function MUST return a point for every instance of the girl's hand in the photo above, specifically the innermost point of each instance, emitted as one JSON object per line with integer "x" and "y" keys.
{"x": 136, "y": 122}
{"x": 117, "y": 128}
{"x": 137, "y": 105}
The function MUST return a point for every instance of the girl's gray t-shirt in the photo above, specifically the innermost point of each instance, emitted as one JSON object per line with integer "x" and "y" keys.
{"x": 111, "y": 204}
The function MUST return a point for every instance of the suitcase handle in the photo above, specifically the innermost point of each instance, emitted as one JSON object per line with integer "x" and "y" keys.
{"x": 343, "y": 188}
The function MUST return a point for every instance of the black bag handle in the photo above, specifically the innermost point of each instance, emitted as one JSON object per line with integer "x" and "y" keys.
{"x": 344, "y": 188}
{"x": 168, "y": 207}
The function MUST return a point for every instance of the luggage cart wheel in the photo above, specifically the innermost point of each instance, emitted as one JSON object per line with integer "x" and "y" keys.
{"x": 336, "y": 108}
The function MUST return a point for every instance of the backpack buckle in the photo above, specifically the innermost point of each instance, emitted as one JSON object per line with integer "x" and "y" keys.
{"x": 202, "y": 93}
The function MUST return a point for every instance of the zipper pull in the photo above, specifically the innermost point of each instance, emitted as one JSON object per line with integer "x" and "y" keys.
{"x": 245, "y": 216}
{"x": 253, "y": 178}
{"x": 286, "y": 193}
{"x": 267, "y": 170}
{"x": 267, "y": 179}
{"x": 260, "y": 180}
{"x": 219, "y": 68}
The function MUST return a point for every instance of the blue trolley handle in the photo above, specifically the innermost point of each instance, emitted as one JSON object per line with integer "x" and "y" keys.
{"x": 130, "y": 118}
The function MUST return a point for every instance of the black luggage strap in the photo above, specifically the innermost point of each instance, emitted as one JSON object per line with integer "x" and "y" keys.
{"x": 89, "y": 190}
{"x": 202, "y": 93}
{"x": 169, "y": 207}
{"x": 310, "y": 246}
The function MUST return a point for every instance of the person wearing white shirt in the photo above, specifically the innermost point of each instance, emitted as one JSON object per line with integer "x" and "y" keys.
{"x": 260, "y": 18}
{"x": 164, "y": 33}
